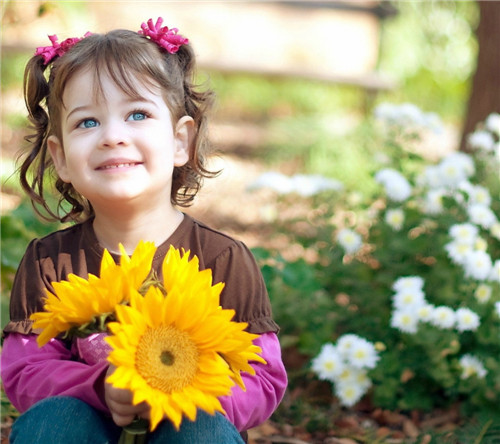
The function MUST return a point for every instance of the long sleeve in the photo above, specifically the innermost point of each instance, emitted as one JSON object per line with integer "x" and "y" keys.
{"x": 30, "y": 373}
{"x": 264, "y": 390}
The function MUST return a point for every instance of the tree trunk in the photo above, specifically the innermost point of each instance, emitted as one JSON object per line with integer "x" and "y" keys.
{"x": 485, "y": 93}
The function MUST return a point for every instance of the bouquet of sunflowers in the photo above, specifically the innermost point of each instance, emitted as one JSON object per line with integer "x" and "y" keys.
{"x": 173, "y": 345}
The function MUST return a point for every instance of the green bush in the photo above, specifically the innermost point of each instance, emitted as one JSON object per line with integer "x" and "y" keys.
{"x": 408, "y": 282}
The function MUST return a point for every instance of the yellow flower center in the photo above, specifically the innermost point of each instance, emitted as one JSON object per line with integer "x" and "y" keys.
{"x": 167, "y": 358}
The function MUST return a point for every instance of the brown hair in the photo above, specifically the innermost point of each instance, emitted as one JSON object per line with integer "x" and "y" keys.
{"x": 123, "y": 55}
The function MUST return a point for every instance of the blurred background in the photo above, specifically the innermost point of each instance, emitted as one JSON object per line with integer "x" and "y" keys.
{"x": 297, "y": 84}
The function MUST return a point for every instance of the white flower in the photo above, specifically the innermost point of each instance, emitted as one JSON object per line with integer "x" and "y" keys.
{"x": 346, "y": 342}
{"x": 464, "y": 233}
{"x": 443, "y": 317}
{"x": 349, "y": 393}
{"x": 309, "y": 185}
{"x": 433, "y": 202}
{"x": 483, "y": 293}
{"x": 471, "y": 366}
{"x": 430, "y": 177}
{"x": 479, "y": 195}
{"x": 405, "y": 321}
{"x": 492, "y": 123}
{"x": 349, "y": 240}
{"x": 481, "y": 215}
{"x": 408, "y": 283}
{"x": 455, "y": 168}
{"x": 362, "y": 354}
{"x": 495, "y": 272}
{"x": 396, "y": 186}
{"x": 395, "y": 218}
{"x": 425, "y": 312}
{"x": 466, "y": 319}
{"x": 481, "y": 140}
{"x": 458, "y": 251}
{"x": 497, "y": 308}
{"x": 478, "y": 265}
{"x": 407, "y": 115}
{"x": 328, "y": 364}
{"x": 480, "y": 244}
{"x": 273, "y": 180}
{"x": 495, "y": 230}
{"x": 303, "y": 185}
{"x": 409, "y": 299}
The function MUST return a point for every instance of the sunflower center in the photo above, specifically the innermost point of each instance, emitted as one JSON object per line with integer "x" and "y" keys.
{"x": 167, "y": 358}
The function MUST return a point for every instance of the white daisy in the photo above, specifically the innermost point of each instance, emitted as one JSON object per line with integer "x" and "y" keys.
{"x": 395, "y": 218}
{"x": 483, "y": 293}
{"x": 395, "y": 184}
{"x": 349, "y": 393}
{"x": 405, "y": 321}
{"x": 492, "y": 123}
{"x": 497, "y": 308}
{"x": 409, "y": 299}
{"x": 328, "y": 364}
{"x": 465, "y": 233}
{"x": 408, "y": 283}
{"x": 362, "y": 354}
{"x": 481, "y": 140}
{"x": 478, "y": 265}
{"x": 481, "y": 215}
{"x": 466, "y": 320}
{"x": 471, "y": 366}
{"x": 425, "y": 312}
{"x": 430, "y": 177}
{"x": 349, "y": 240}
{"x": 479, "y": 195}
{"x": 458, "y": 251}
{"x": 443, "y": 317}
{"x": 346, "y": 342}
{"x": 433, "y": 201}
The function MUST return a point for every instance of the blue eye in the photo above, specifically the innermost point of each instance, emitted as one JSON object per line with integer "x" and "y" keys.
{"x": 138, "y": 115}
{"x": 88, "y": 123}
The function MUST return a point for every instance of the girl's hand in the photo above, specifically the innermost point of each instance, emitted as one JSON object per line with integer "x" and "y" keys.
{"x": 119, "y": 402}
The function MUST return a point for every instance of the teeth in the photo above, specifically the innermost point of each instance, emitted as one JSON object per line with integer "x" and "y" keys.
{"x": 119, "y": 165}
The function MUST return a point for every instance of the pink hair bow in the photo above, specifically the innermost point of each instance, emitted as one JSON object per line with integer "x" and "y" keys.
{"x": 57, "y": 49}
{"x": 163, "y": 36}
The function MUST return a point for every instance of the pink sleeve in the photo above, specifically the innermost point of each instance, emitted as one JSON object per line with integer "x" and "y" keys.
{"x": 264, "y": 391}
{"x": 30, "y": 373}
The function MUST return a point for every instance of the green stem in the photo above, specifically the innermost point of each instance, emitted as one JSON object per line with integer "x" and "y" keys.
{"x": 135, "y": 432}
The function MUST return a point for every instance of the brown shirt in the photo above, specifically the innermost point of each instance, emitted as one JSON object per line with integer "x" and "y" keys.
{"x": 76, "y": 250}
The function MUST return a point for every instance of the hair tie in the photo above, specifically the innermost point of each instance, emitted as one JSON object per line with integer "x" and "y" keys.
{"x": 57, "y": 49}
{"x": 163, "y": 36}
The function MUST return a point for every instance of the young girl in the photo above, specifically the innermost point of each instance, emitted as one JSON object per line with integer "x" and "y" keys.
{"x": 119, "y": 119}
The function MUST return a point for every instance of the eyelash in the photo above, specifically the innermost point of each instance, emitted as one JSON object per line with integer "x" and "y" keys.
{"x": 135, "y": 111}
{"x": 140, "y": 111}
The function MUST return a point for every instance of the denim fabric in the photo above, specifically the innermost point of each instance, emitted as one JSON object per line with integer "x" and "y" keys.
{"x": 65, "y": 420}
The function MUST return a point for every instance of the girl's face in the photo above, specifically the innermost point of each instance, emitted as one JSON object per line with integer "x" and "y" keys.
{"x": 118, "y": 149}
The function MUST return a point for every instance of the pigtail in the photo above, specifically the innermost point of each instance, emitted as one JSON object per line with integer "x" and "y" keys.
{"x": 37, "y": 161}
{"x": 198, "y": 103}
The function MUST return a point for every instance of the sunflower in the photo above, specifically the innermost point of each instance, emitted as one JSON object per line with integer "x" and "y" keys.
{"x": 172, "y": 351}
{"x": 82, "y": 306}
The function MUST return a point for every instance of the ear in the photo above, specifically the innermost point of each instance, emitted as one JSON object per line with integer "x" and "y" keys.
{"x": 184, "y": 132}
{"x": 56, "y": 151}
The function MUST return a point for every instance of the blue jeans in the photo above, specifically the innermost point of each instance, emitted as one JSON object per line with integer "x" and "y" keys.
{"x": 65, "y": 420}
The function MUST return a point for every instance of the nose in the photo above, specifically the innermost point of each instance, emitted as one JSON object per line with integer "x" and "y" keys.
{"x": 114, "y": 134}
